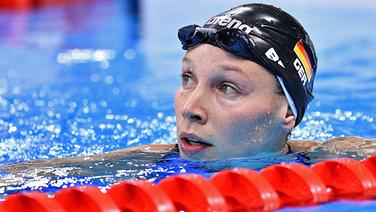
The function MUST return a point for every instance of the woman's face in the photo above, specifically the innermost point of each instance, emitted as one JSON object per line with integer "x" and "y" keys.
{"x": 228, "y": 107}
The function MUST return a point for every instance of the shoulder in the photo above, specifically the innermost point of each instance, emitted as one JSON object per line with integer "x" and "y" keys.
{"x": 361, "y": 146}
{"x": 161, "y": 149}
{"x": 302, "y": 145}
{"x": 87, "y": 161}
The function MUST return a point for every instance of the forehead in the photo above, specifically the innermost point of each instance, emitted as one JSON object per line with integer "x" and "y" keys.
{"x": 209, "y": 53}
{"x": 206, "y": 57}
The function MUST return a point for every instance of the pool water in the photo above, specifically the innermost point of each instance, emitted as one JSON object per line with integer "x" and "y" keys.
{"x": 95, "y": 77}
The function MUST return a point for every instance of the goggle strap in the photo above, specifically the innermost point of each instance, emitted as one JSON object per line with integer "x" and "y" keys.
{"x": 288, "y": 97}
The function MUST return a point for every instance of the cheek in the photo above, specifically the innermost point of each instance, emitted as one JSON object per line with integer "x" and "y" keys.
{"x": 241, "y": 125}
{"x": 245, "y": 135}
{"x": 246, "y": 125}
{"x": 178, "y": 105}
{"x": 177, "y": 102}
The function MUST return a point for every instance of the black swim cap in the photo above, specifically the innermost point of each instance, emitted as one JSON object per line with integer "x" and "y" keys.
{"x": 272, "y": 38}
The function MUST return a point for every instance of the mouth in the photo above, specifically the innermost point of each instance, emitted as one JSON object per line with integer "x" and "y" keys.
{"x": 191, "y": 143}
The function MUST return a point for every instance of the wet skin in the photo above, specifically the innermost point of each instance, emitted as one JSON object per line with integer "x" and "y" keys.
{"x": 228, "y": 107}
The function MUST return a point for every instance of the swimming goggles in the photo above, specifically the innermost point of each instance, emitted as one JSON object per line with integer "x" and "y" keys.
{"x": 232, "y": 40}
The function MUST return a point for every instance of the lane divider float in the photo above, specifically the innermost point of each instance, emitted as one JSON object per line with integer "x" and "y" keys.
{"x": 245, "y": 189}
{"x": 295, "y": 184}
{"x": 192, "y": 192}
{"x": 85, "y": 199}
{"x": 139, "y": 196}
{"x": 240, "y": 189}
{"x": 346, "y": 178}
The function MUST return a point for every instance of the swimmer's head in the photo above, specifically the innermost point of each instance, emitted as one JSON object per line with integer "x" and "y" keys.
{"x": 247, "y": 79}
{"x": 268, "y": 36}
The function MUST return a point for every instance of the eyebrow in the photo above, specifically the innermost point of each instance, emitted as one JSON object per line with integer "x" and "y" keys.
{"x": 227, "y": 67}
{"x": 189, "y": 62}
{"x": 186, "y": 59}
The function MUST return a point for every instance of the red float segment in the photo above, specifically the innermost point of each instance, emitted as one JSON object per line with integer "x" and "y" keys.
{"x": 346, "y": 178}
{"x": 30, "y": 201}
{"x": 192, "y": 192}
{"x": 246, "y": 190}
{"x": 296, "y": 184}
{"x": 85, "y": 199}
{"x": 370, "y": 164}
{"x": 140, "y": 196}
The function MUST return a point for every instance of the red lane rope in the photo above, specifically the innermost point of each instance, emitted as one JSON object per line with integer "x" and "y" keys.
{"x": 274, "y": 187}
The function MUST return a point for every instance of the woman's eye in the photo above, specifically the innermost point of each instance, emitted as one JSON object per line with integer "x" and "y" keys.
{"x": 186, "y": 80}
{"x": 228, "y": 90}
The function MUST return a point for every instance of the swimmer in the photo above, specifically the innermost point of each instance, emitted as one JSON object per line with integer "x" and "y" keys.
{"x": 247, "y": 78}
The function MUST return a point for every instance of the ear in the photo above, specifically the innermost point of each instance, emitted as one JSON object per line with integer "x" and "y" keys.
{"x": 289, "y": 121}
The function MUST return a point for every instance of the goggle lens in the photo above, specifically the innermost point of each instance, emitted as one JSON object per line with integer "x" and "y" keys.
{"x": 230, "y": 39}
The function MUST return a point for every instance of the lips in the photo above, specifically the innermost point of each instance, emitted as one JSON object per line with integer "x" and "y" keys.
{"x": 191, "y": 143}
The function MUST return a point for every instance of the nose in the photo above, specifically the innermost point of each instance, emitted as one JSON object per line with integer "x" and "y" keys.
{"x": 194, "y": 109}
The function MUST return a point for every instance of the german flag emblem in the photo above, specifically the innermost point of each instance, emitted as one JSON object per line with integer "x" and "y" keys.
{"x": 303, "y": 57}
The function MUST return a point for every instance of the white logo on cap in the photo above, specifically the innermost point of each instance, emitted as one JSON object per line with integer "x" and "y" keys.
{"x": 272, "y": 55}
{"x": 302, "y": 74}
{"x": 227, "y": 21}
